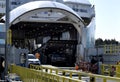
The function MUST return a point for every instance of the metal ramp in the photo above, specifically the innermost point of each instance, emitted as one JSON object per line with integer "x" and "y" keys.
{"x": 48, "y": 73}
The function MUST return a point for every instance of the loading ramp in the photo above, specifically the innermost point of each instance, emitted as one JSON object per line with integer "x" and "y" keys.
{"x": 47, "y": 73}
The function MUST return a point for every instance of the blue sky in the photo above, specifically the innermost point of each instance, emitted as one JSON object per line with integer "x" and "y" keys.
{"x": 107, "y": 19}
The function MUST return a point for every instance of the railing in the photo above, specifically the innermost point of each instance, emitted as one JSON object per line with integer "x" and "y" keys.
{"x": 32, "y": 75}
{"x": 110, "y": 70}
{"x": 78, "y": 74}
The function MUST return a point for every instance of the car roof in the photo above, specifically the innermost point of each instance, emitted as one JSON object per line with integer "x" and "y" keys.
{"x": 31, "y": 54}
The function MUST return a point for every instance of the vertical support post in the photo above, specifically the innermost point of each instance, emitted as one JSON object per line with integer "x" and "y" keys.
{"x": 70, "y": 74}
{"x": 102, "y": 69}
{"x": 63, "y": 73}
{"x": 57, "y": 71}
{"x": 50, "y": 70}
{"x": 9, "y": 37}
{"x": 104, "y": 80}
{"x": 7, "y": 26}
{"x": 117, "y": 71}
{"x": 46, "y": 70}
{"x": 92, "y": 79}
{"x": 80, "y": 76}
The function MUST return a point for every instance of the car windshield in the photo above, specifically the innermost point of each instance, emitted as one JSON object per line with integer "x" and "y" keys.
{"x": 31, "y": 57}
{"x": 58, "y": 55}
{"x": 16, "y": 79}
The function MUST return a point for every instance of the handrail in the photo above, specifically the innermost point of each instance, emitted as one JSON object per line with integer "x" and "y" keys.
{"x": 112, "y": 70}
{"x": 32, "y": 75}
{"x": 73, "y": 72}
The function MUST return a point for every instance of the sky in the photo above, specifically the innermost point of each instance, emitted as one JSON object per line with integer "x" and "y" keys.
{"x": 107, "y": 19}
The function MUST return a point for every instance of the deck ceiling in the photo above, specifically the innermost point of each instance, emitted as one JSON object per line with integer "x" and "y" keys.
{"x": 36, "y": 29}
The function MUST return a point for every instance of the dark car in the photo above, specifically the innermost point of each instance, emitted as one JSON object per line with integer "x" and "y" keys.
{"x": 57, "y": 58}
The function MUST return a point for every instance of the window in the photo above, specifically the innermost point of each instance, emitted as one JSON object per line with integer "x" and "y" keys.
{"x": 106, "y": 52}
{"x": 2, "y": 35}
{"x": 83, "y": 10}
{"x": 75, "y": 9}
{"x": 31, "y": 56}
{"x": 14, "y": 3}
{"x": 2, "y": 5}
{"x": 2, "y": 41}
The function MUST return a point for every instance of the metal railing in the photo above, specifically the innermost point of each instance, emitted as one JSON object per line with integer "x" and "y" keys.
{"x": 110, "y": 70}
{"x": 32, "y": 75}
{"x": 47, "y": 73}
{"x": 72, "y": 73}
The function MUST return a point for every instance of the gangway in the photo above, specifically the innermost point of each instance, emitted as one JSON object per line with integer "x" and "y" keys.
{"x": 48, "y": 73}
{"x": 33, "y": 75}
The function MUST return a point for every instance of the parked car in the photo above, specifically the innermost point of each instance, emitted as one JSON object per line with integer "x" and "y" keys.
{"x": 33, "y": 60}
{"x": 57, "y": 58}
{"x": 13, "y": 78}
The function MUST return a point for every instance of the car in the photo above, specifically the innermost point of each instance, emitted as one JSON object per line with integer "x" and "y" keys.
{"x": 13, "y": 78}
{"x": 33, "y": 60}
{"x": 57, "y": 58}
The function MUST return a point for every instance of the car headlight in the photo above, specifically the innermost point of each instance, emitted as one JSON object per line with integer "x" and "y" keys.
{"x": 37, "y": 62}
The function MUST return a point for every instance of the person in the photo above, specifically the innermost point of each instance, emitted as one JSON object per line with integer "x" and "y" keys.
{"x": 112, "y": 71}
{"x": 101, "y": 59}
{"x": 93, "y": 60}
{"x": 76, "y": 66}
{"x": 37, "y": 55}
{"x": 94, "y": 65}
{"x": 100, "y": 62}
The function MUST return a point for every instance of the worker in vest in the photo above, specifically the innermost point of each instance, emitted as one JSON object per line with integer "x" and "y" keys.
{"x": 37, "y": 55}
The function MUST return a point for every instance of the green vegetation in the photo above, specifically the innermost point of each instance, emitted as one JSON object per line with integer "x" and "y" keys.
{"x": 100, "y": 41}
